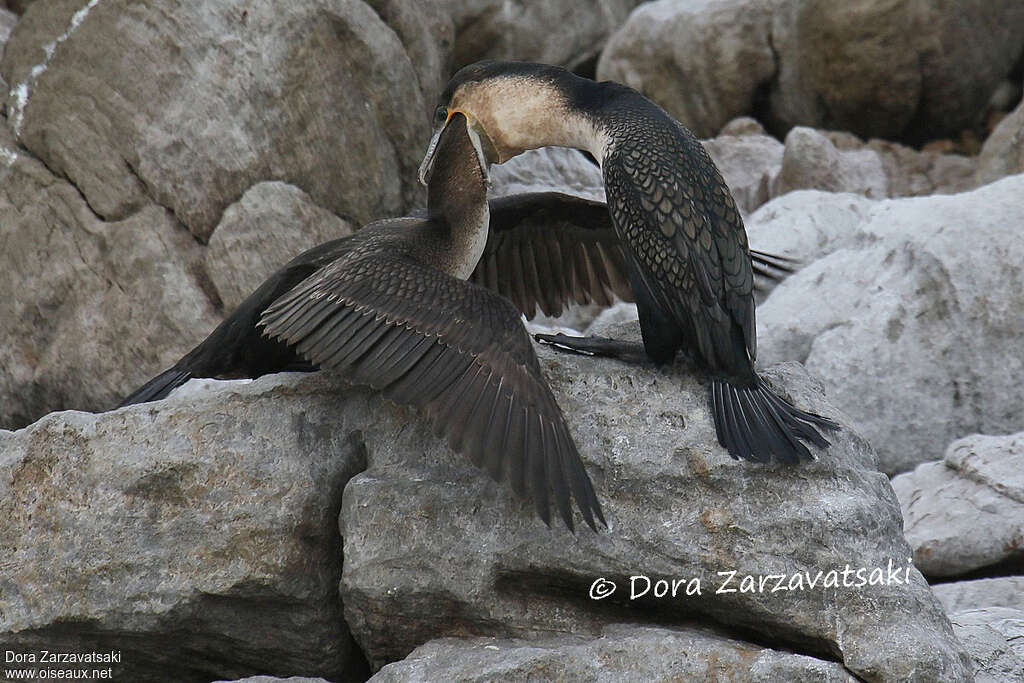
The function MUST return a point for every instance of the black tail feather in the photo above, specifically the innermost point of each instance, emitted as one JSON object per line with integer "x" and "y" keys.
{"x": 755, "y": 424}
{"x": 158, "y": 387}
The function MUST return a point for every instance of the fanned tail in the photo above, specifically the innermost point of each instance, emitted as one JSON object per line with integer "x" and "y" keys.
{"x": 158, "y": 387}
{"x": 756, "y": 424}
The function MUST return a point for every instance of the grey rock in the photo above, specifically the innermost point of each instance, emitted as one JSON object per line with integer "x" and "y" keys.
{"x": 994, "y": 637}
{"x": 621, "y": 652}
{"x": 7, "y": 21}
{"x": 749, "y": 163}
{"x": 551, "y": 169}
{"x": 272, "y": 679}
{"x": 703, "y": 61}
{"x": 270, "y": 224}
{"x": 743, "y": 125}
{"x": 915, "y": 173}
{"x": 433, "y": 548}
{"x": 1002, "y": 591}
{"x": 887, "y": 69}
{"x": 966, "y": 511}
{"x": 201, "y": 531}
{"x": 1003, "y": 152}
{"x": 320, "y": 95}
{"x": 77, "y": 292}
{"x": 811, "y": 161}
{"x": 565, "y": 32}
{"x": 919, "y": 69}
{"x": 910, "y": 315}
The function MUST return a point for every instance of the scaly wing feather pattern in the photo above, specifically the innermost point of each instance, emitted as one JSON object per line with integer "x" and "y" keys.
{"x": 455, "y": 350}
{"x": 671, "y": 206}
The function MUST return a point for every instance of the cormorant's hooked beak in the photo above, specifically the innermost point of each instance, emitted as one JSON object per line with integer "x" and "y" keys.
{"x": 481, "y": 143}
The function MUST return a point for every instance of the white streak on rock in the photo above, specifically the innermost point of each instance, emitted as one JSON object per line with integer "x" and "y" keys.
{"x": 7, "y": 156}
{"x": 21, "y": 92}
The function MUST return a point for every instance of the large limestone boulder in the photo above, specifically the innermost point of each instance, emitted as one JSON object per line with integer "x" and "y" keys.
{"x": 703, "y": 60}
{"x": 966, "y": 511}
{"x": 198, "y": 536}
{"x": 1003, "y": 153}
{"x": 271, "y": 223}
{"x": 1000, "y": 591}
{"x": 570, "y": 33}
{"x": 994, "y": 637}
{"x": 214, "y": 98}
{"x": 85, "y": 299}
{"x": 908, "y": 311}
{"x": 620, "y": 652}
{"x": 914, "y": 69}
{"x": 433, "y": 548}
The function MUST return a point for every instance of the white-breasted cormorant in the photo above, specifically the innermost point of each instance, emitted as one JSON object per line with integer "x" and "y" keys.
{"x": 390, "y": 307}
{"x": 689, "y": 265}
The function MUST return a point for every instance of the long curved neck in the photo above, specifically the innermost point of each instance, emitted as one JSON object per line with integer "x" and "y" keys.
{"x": 457, "y": 204}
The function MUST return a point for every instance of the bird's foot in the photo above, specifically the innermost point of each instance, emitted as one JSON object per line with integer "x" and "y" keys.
{"x": 629, "y": 352}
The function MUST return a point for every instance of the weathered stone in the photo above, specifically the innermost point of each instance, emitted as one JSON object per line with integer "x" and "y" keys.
{"x": 272, "y": 679}
{"x": 320, "y": 95}
{"x": 966, "y": 511}
{"x": 914, "y": 173}
{"x": 1002, "y": 591}
{"x": 551, "y": 169}
{"x": 994, "y": 638}
{"x": 197, "y": 535}
{"x": 912, "y": 321}
{"x": 433, "y": 548}
{"x": 890, "y": 68}
{"x": 621, "y": 652}
{"x": 270, "y": 224}
{"x": 749, "y": 163}
{"x": 494, "y": 29}
{"x": 703, "y": 61}
{"x": 743, "y": 125}
{"x": 811, "y": 161}
{"x": 1003, "y": 153}
{"x": 83, "y": 299}
{"x": 7, "y": 21}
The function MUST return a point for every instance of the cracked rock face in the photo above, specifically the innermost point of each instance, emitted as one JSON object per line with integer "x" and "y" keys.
{"x": 908, "y": 310}
{"x": 84, "y": 298}
{"x": 994, "y": 637}
{"x": 914, "y": 69}
{"x": 966, "y": 511}
{"x": 433, "y": 548}
{"x": 197, "y": 536}
{"x": 320, "y": 95}
{"x": 620, "y": 652}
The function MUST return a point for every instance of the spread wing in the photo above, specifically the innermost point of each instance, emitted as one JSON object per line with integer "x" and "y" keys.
{"x": 671, "y": 206}
{"x": 547, "y": 249}
{"x": 455, "y": 350}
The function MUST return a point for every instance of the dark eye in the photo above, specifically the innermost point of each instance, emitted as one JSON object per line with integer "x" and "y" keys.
{"x": 441, "y": 114}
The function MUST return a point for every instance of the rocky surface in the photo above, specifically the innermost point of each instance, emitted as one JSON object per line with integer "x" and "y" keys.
{"x": 197, "y": 535}
{"x": 994, "y": 637}
{"x": 494, "y": 29}
{"x": 85, "y": 298}
{"x": 908, "y": 312}
{"x": 811, "y": 161}
{"x": 434, "y": 549}
{"x": 1002, "y": 591}
{"x": 703, "y": 61}
{"x": 320, "y": 96}
{"x": 542, "y": 170}
{"x": 1003, "y": 152}
{"x": 966, "y": 511}
{"x": 272, "y": 679}
{"x": 271, "y": 223}
{"x": 749, "y": 162}
{"x": 619, "y": 652}
{"x": 915, "y": 69}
